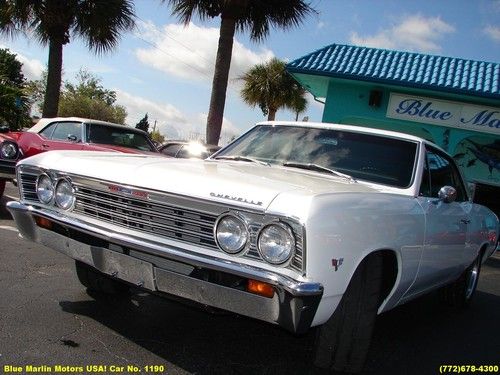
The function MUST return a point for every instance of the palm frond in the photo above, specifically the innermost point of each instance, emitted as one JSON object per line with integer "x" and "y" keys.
{"x": 184, "y": 10}
{"x": 101, "y": 22}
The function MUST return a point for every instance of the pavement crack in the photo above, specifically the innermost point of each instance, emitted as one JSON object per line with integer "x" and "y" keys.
{"x": 110, "y": 352}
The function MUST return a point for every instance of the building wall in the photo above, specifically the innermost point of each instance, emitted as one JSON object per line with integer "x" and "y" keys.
{"x": 477, "y": 153}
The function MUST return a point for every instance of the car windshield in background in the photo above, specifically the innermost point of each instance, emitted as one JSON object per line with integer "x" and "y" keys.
{"x": 368, "y": 157}
{"x": 113, "y": 135}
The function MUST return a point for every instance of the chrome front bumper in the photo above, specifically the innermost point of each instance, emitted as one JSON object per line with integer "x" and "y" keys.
{"x": 158, "y": 268}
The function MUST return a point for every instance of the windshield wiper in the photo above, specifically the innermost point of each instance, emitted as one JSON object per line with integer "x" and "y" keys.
{"x": 319, "y": 168}
{"x": 241, "y": 158}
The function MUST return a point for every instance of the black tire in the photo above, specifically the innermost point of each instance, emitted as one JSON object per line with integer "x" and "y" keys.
{"x": 2, "y": 187}
{"x": 342, "y": 343}
{"x": 459, "y": 294}
{"x": 99, "y": 282}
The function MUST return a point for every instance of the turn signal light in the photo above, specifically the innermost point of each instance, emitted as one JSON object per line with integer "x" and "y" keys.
{"x": 260, "y": 288}
{"x": 43, "y": 222}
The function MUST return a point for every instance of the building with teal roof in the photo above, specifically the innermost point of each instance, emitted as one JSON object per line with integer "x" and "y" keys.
{"x": 450, "y": 101}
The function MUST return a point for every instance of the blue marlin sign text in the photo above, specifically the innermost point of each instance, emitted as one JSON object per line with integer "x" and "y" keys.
{"x": 445, "y": 113}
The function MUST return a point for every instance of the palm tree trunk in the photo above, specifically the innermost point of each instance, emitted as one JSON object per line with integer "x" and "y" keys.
{"x": 53, "y": 89}
{"x": 272, "y": 114}
{"x": 219, "y": 84}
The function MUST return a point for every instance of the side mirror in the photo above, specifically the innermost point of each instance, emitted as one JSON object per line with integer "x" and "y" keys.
{"x": 4, "y": 129}
{"x": 447, "y": 194}
{"x": 72, "y": 138}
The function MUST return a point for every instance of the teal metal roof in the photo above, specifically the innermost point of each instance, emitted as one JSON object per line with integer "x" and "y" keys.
{"x": 450, "y": 74}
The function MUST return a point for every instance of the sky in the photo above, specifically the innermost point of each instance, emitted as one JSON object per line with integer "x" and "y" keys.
{"x": 165, "y": 69}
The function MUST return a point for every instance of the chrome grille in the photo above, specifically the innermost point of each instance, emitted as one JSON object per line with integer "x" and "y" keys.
{"x": 155, "y": 218}
{"x": 27, "y": 186}
{"x": 163, "y": 218}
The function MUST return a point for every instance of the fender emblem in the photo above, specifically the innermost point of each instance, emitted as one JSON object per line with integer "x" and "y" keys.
{"x": 337, "y": 263}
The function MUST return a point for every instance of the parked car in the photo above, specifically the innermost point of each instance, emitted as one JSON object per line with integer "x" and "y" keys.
{"x": 74, "y": 133}
{"x": 187, "y": 149}
{"x": 9, "y": 155}
{"x": 296, "y": 224}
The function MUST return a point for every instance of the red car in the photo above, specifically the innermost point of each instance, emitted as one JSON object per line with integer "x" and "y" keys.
{"x": 69, "y": 133}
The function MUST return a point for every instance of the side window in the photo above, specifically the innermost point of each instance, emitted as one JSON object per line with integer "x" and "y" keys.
{"x": 443, "y": 172}
{"x": 47, "y": 132}
{"x": 171, "y": 150}
{"x": 64, "y": 130}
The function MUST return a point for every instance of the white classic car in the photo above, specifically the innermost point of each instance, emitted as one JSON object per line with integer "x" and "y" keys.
{"x": 296, "y": 224}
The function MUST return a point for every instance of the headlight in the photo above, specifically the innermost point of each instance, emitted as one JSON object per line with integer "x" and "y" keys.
{"x": 45, "y": 189}
{"x": 65, "y": 194}
{"x": 231, "y": 234}
{"x": 9, "y": 150}
{"x": 276, "y": 243}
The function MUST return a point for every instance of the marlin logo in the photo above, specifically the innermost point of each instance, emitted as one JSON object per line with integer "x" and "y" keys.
{"x": 236, "y": 199}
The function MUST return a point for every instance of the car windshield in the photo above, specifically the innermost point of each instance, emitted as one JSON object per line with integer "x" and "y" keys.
{"x": 369, "y": 157}
{"x": 116, "y": 136}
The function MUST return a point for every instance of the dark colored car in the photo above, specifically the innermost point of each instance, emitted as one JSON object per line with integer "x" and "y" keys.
{"x": 187, "y": 150}
{"x": 69, "y": 133}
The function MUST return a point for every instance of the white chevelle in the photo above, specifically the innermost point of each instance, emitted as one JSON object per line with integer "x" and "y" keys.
{"x": 296, "y": 224}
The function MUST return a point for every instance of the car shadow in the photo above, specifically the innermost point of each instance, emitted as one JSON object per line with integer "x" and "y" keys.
{"x": 4, "y": 213}
{"x": 415, "y": 338}
{"x": 197, "y": 341}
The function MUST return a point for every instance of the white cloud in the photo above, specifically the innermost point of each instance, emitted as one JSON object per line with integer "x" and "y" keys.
{"x": 493, "y": 32}
{"x": 189, "y": 51}
{"x": 32, "y": 68}
{"x": 414, "y": 33}
{"x": 170, "y": 121}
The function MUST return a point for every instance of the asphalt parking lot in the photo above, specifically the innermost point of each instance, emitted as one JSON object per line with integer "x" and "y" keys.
{"x": 48, "y": 319}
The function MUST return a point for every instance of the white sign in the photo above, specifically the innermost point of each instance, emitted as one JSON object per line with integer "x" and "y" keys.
{"x": 444, "y": 113}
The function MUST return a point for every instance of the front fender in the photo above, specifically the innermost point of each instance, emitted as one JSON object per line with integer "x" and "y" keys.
{"x": 343, "y": 229}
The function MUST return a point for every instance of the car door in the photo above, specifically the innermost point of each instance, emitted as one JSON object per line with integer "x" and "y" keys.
{"x": 64, "y": 135}
{"x": 446, "y": 223}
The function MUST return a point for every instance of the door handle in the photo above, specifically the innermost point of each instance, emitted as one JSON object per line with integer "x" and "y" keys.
{"x": 45, "y": 145}
{"x": 465, "y": 221}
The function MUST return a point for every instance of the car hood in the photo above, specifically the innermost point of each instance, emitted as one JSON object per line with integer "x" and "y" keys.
{"x": 231, "y": 182}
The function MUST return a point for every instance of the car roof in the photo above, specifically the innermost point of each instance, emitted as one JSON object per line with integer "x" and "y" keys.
{"x": 43, "y": 122}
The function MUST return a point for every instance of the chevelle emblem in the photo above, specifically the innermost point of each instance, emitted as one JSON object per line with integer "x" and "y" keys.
{"x": 236, "y": 199}
{"x": 128, "y": 191}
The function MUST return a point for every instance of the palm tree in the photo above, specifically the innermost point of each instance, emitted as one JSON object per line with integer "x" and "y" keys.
{"x": 242, "y": 15}
{"x": 98, "y": 22}
{"x": 270, "y": 87}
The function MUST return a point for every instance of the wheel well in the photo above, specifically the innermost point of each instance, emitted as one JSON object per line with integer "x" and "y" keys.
{"x": 389, "y": 271}
{"x": 482, "y": 251}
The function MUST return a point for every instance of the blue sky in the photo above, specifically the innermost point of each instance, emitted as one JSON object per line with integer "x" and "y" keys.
{"x": 165, "y": 69}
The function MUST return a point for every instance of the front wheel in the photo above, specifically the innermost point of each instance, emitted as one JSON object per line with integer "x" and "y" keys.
{"x": 461, "y": 292}
{"x": 342, "y": 343}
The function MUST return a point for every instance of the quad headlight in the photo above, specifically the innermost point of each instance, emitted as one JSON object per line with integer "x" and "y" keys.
{"x": 276, "y": 243}
{"x": 231, "y": 234}
{"x": 9, "y": 150}
{"x": 65, "y": 194}
{"x": 45, "y": 189}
